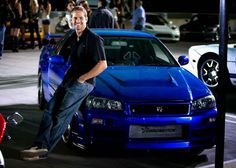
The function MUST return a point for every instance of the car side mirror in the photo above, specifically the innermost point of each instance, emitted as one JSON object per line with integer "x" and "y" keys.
{"x": 183, "y": 60}
{"x": 15, "y": 118}
{"x": 56, "y": 59}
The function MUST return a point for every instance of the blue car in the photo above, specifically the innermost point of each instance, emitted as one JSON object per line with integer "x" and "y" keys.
{"x": 143, "y": 100}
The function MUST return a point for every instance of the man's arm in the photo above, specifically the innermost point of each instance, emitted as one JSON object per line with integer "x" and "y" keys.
{"x": 95, "y": 71}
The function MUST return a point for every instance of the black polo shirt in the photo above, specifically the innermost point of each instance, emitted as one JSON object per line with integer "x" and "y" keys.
{"x": 87, "y": 51}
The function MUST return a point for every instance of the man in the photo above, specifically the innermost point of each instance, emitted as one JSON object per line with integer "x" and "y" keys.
{"x": 139, "y": 16}
{"x": 6, "y": 14}
{"x": 87, "y": 63}
{"x": 102, "y": 17}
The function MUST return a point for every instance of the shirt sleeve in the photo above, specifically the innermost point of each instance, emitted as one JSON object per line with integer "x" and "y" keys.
{"x": 97, "y": 51}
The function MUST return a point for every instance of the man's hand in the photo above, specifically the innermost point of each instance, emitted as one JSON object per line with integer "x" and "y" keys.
{"x": 81, "y": 79}
{"x": 95, "y": 71}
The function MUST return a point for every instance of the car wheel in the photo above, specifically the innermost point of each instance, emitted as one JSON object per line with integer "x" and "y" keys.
{"x": 208, "y": 72}
{"x": 67, "y": 139}
{"x": 41, "y": 98}
{"x": 66, "y": 136}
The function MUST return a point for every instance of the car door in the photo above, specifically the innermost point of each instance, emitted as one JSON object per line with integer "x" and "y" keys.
{"x": 59, "y": 63}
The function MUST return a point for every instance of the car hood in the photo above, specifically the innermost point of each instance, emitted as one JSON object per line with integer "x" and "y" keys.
{"x": 149, "y": 84}
{"x": 214, "y": 48}
{"x": 163, "y": 28}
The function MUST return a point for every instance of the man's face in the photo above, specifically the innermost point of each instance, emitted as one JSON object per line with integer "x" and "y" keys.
{"x": 79, "y": 21}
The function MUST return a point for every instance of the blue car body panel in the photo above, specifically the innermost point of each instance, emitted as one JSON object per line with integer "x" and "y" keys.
{"x": 142, "y": 90}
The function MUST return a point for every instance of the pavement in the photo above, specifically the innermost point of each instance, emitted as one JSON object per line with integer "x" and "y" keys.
{"x": 21, "y": 68}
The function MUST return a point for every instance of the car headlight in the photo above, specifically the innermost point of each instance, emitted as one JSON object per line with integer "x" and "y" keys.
{"x": 204, "y": 103}
{"x": 103, "y": 103}
{"x": 212, "y": 29}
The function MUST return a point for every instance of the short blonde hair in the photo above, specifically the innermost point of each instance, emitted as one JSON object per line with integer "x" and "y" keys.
{"x": 79, "y": 8}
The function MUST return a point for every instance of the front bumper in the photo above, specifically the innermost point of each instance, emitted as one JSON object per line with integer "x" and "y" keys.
{"x": 198, "y": 131}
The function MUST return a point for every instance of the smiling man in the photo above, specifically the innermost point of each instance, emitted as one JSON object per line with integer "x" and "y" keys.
{"x": 87, "y": 61}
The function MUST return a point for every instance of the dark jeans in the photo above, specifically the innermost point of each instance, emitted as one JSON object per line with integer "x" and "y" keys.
{"x": 34, "y": 27}
{"x": 59, "y": 113}
{"x": 2, "y": 36}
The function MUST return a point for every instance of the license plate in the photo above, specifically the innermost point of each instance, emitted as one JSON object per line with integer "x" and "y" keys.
{"x": 167, "y": 131}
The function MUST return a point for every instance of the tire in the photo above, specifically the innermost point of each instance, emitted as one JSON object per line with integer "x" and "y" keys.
{"x": 208, "y": 72}
{"x": 67, "y": 139}
{"x": 191, "y": 153}
{"x": 41, "y": 98}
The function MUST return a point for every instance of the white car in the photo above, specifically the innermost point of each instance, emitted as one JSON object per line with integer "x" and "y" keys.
{"x": 161, "y": 27}
{"x": 203, "y": 63}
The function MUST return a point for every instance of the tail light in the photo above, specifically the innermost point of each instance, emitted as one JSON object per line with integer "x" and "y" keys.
{"x": 2, "y": 127}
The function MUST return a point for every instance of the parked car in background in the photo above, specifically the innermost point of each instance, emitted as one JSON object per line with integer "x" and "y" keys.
{"x": 205, "y": 65}
{"x": 143, "y": 100}
{"x": 161, "y": 27}
{"x": 201, "y": 27}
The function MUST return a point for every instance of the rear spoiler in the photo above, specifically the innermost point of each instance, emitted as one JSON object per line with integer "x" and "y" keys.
{"x": 52, "y": 38}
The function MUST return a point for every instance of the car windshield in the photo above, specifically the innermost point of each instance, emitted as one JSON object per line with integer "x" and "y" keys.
{"x": 133, "y": 51}
{"x": 156, "y": 20}
{"x": 205, "y": 19}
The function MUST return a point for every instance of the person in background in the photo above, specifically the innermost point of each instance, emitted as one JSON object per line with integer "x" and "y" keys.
{"x": 24, "y": 22}
{"x": 102, "y": 17}
{"x": 69, "y": 7}
{"x": 46, "y": 10}
{"x": 22, "y": 31}
{"x": 34, "y": 23}
{"x": 79, "y": 81}
{"x": 139, "y": 16}
{"x": 119, "y": 4}
{"x": 15, "y": 23}
{"x": 5, "y": 14}
{"x": 86, "y": 6}
{"x": 114, "y": 10}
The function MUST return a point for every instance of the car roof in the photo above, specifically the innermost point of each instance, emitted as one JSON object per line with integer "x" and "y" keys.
{"x": 111, "y": 33}
{"x": 122, "y": 32}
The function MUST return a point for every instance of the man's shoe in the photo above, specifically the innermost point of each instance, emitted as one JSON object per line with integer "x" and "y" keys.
{"x": 35, "y": 157}
{"x": 33, "y": 151}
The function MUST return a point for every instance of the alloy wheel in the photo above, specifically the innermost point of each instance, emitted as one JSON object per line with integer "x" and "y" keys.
{"x": 208, "y": 72}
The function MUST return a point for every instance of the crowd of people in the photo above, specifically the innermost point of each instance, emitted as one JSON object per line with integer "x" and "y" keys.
{"x": 17, "y": 16}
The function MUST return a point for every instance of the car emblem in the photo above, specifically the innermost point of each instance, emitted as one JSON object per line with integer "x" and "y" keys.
{"x": 159, "y": 109}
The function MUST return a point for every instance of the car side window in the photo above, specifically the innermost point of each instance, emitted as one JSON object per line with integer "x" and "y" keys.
{"x": 162, "y": 55}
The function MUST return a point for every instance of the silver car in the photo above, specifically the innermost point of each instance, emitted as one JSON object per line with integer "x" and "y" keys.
{"x": 162, "y": 28}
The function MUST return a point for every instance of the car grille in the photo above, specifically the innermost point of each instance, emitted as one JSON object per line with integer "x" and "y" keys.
{"x": 161, "y": 109}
